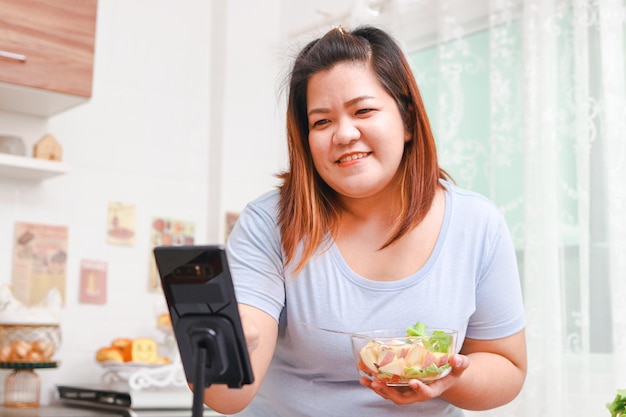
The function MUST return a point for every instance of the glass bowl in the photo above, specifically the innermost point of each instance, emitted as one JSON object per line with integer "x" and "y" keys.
{"x": 393, "y": 357}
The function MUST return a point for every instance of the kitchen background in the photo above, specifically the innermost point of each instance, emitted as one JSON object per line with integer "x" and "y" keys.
{"x": 178, "y": 125}
{"x": 185, "y": 122}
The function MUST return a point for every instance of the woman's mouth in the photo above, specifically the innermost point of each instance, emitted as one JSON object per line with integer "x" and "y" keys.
{"x": 352, "y": 157}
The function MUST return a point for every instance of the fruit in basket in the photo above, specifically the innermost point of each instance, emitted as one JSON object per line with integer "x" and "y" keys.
{"x": 19, "y": 350}
{"x": 28, "y": 343}
{"x": 29, "y": 333}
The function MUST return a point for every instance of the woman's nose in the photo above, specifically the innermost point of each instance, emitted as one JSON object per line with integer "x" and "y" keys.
{"x": 346, "y": 132}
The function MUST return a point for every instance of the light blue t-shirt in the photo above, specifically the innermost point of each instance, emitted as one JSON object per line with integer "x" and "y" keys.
{"x": 469, "y": 283}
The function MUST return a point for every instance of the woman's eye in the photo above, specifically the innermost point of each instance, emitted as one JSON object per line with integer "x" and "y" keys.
{"x": 318, "y": 123}
{"x": 363, "y": 111}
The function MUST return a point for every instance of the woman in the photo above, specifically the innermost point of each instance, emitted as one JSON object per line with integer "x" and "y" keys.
{"x": 366, "y": 232}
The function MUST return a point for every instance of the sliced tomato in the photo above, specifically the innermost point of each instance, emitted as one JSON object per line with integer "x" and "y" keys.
{"x": 361, "y": 367}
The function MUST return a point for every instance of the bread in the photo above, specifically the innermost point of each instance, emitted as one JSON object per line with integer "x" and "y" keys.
{"x": 109, "y": 354}
{"x": 162, "y": 360}
{"x": 121, "y": 342}
{"x": 43, "y": 349}
{"x": 164, "y": 320}
{"x": 20, "y": 350}
{"x": 123, "y": 349}
{"x": 141, "y": 349}
{"x": 5, "y": 353}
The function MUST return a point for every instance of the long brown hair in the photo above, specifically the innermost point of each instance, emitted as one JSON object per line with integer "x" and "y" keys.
{"x": 308, "y": 207}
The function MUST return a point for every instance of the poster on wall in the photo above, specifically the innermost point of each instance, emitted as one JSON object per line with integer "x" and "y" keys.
{"x": 93, "y": 282}
{"x": 168, "y": 232}
{"x": 39, "y": 261}
{"x": 121, "y": 224}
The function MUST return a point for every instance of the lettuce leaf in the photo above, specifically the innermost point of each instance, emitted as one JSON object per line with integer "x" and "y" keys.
{"x": 430, "y": 370}
{"x": 618, "y": 406}
{"x": 418, "y": 329}
{"x": 439, "y": 341}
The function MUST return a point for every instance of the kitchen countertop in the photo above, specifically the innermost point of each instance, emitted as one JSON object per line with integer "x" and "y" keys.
{"x": 65, "y": 411}
{"x": 53, "y": 411}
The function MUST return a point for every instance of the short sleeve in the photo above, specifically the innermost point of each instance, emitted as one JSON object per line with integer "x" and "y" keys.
{"x": 499, "y": 303}
{"x": 255, "y": 257}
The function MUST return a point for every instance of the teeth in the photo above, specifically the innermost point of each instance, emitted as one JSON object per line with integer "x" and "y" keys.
{"x": 353, "y": 157}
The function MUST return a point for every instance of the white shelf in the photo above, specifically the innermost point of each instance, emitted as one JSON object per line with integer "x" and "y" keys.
{"x": 27, "y": 168}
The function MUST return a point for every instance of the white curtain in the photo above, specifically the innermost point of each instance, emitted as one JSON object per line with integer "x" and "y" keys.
{"x": 528, "y": 102}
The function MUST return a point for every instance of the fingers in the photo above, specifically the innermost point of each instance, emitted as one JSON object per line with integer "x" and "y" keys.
{"x": 459, "y": 364}
{"x": 418, "y": 391}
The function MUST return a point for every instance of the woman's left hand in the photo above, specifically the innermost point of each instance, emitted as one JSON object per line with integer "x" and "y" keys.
{"x": 418, "y": 391}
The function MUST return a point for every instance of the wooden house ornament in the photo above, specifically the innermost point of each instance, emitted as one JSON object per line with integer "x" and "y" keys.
{"x": 48, "y": 148}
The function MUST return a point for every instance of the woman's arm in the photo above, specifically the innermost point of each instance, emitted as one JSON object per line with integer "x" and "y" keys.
{"x": 261, "y": 331}
{"x": 495, "y": 375}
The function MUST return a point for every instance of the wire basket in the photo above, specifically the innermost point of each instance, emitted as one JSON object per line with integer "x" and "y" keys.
{"x": 29, "y": 342}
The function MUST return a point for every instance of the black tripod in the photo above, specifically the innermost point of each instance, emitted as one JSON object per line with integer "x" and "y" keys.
{"x": 197, "y": 410}
{"x": 210, "y": 355}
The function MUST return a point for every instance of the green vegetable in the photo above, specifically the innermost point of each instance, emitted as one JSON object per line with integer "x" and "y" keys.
{"x": 418, "y": 329}
{"x": 430, "y": 371}
{"x": 618, "y": 406}
{"x": 439, "y": 341}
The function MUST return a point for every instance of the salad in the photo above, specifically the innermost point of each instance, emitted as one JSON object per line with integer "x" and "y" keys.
{"x": 418, "y": 355}
{"x": 618, "y": 406}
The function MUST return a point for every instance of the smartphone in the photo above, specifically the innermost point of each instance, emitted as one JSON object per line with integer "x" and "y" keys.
{"x": 199, "y": 292}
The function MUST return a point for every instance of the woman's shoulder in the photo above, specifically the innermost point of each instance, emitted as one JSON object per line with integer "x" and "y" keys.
{"x": 267, "y": 201}
{"x": 466, "y": 195}
{"x": 258, "y": 220}
{"x": 468, "y": 203}
{"x": 472, "y": 215}
{"x": 265, "y": 205}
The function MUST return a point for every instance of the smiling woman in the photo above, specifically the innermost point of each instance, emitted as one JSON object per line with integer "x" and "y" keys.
{"x": 356, "y": 140}
{"x": 366, "y": 232}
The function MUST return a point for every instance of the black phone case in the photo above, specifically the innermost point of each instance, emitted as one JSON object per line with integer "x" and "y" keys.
{"x": 199, "y": 291}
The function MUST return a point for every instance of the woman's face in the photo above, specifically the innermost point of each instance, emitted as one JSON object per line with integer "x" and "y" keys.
{"x": 356, "y": 132}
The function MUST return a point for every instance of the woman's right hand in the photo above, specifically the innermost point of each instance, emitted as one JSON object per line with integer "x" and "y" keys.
{"x": 260, "y": 331}
{"x": 418, "y": 391}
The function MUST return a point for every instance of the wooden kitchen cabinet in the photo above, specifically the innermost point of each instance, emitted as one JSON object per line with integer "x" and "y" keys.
{"x": 46, "y": 54}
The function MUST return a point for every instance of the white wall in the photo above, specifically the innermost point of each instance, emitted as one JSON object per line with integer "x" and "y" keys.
{"x": 182, "y": 124}
{"x": 247, "y": 126}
